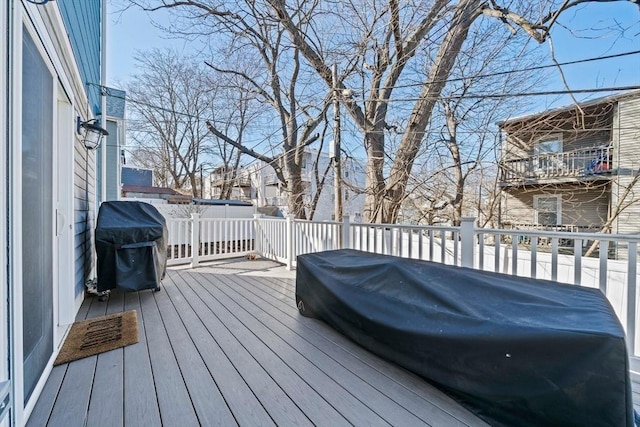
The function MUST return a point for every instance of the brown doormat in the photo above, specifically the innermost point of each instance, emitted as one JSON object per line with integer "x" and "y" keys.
{"x": 97, "y": 335}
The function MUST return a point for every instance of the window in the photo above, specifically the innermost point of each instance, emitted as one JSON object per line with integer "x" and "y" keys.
{"x": 544, "y": 151}
{"x": 547, "y": 210}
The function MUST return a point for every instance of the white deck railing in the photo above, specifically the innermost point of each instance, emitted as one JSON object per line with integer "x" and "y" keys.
{"x": 516, "y": 252}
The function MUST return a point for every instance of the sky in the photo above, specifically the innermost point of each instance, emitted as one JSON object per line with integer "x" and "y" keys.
{"x": 131, "y": 31}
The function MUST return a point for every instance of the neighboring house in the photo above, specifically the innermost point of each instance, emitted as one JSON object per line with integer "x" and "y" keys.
{"x": 258, "y": 183}
{"x": 112, "y": 145}
{"x": 51, "y": 58}
{"x": 136, "y": 176}
{"x": 240, "y": 184}
{"x": 570, "y": 169}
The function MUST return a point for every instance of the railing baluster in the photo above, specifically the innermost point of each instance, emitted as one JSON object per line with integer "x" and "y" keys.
{"x": 481, "y": 250}
{"x": 534, "y": 256}
{"x": 632, "y": 269}
{"x": 514, "y": 254}
{"x": 431, "y": 238}
{"x": 456, "y": 244}
{"x": 496, "y": 260}
{"x": 443, "y": 246}
{"x": 604, "y": 255}
{"x": 554, "y": 258}
{"x": 577, "y": 261}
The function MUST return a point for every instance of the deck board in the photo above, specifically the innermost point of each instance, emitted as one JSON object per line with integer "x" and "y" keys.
{"x": 174, "y": 400}
{"x": 140, "y": 401}
{"x": 321, "y": 393}
{"x": 106, "y": 406}
{"x": 242, "y": 403}
{"x": 225, "y": 345}
{"x": 205, "y": 396}
{"x": 360, "y": 389}
{"x": 404, "y": 389}
{"x": 281, "y": 408}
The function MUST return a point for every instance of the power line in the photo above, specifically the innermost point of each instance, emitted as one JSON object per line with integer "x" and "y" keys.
{"x": 534, "y": 68}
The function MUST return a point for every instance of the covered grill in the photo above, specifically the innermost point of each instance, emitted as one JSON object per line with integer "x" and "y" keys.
{"x": 131, "y": 245}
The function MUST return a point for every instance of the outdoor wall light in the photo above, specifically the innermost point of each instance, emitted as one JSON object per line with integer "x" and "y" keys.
{"x": 93, "y": 133}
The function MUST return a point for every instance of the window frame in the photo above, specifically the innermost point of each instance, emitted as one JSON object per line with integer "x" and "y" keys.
{"x": 536, "y": 204}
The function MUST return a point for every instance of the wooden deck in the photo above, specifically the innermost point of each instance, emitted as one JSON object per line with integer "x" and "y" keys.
{"x": 225, "y": 345}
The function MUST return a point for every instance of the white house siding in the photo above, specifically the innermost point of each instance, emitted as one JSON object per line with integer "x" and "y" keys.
{"x": 582, "y": 205}
{"x": 626, "y": 163}
{"x": 266, "y": 192}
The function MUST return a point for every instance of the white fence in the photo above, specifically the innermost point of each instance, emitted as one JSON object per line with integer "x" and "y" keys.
{"x": 516, "y": 252}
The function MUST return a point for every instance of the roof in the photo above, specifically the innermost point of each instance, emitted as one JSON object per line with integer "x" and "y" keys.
{"x": 590, "y": 103}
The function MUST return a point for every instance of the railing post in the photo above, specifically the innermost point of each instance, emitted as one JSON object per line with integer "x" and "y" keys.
{"x": 289, "y": 238}
{"x": 467, "y": 237}
{"x": 195, "y": 239}
{"x": 346, "y": 244}
{"x": 257, "y": 234}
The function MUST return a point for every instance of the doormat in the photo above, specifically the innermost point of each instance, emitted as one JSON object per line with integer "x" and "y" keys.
{"x": 97, "y": 335}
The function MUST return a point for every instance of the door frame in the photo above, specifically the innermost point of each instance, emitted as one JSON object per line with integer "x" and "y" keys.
{"x": 64, "y": 142}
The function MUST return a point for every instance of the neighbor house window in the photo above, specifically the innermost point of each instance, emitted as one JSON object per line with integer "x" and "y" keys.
{"x": 545, "y": 151}
{"x": 547, "y": 210}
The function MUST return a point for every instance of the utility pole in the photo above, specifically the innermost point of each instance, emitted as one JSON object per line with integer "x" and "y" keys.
{"x": 337, "y": 173}
{"x": 201, "y": 183}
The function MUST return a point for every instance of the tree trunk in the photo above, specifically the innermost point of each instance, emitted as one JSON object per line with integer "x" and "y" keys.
{"x": 387, "y": 206}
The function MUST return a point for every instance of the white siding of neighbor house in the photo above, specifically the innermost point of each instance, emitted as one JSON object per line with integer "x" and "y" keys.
{"x": 581, "y": 205}
{"x": 626, "y": 163}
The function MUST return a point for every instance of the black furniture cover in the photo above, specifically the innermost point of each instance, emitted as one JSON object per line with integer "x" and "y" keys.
{"x": 131, "y": 245}
{"x": 516, "y": 351}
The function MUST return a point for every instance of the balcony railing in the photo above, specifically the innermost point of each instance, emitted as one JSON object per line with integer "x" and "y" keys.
{"x": 218, "y": 180}
{"x": 573, "y": 164}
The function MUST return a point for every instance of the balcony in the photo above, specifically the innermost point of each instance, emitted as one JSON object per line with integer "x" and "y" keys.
{"x": 223, "y": 344}
{"x": 218, "y": 180}
{"x": 572, "y": 166}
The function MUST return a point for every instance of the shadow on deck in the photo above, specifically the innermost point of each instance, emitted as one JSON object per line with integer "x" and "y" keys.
{"x": 224, "y": 345}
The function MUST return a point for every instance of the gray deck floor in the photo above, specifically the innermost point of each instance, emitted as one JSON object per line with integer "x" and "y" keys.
{"x": 225, "y": 345}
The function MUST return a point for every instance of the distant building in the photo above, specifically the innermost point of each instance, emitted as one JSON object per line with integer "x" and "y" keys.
{"x": 570, "y": 169}
{"x": 257, "y": 182}
{"x": 136, "y": 176}
{"x": 115, "y": 123}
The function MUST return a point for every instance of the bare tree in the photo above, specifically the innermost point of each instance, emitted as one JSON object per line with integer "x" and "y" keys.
{"x": 385, "y": 37}
{"x": 169, "y": 99}
{"x": 258, "y": 53}
{"x": 382, "y": 42}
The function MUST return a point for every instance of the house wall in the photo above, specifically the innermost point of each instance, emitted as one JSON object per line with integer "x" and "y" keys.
{"x": 582, "y": 205}
{"x": 626, "y": 164}
{"x": 82, "y": 18}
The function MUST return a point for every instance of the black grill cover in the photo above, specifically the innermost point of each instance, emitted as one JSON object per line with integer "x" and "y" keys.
{"x": 516, "y": 351}
{"x": 131, "y": 245}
